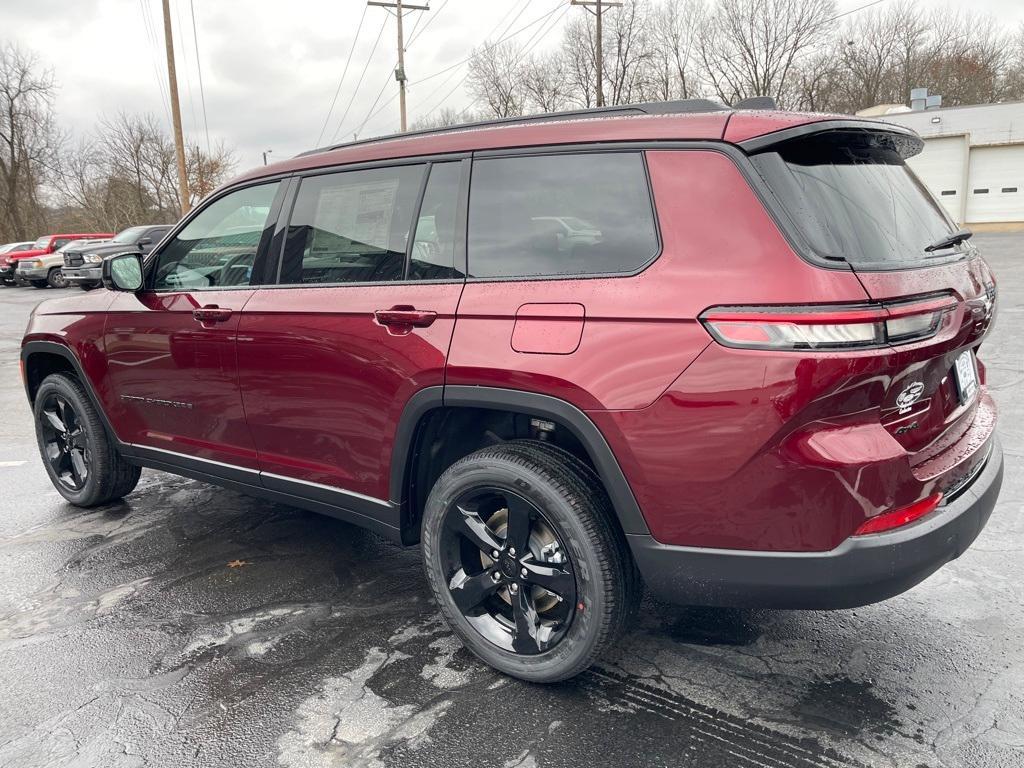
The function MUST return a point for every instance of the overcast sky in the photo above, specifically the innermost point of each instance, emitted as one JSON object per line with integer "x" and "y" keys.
{"x": 270, "y": 69}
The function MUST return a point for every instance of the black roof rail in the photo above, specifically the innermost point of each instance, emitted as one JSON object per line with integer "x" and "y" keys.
{"x": 680, "y": 106}
{"x": 756, "y": 102}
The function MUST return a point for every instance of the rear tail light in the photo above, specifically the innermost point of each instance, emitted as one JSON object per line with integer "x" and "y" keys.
{"x": 899, "y": 517}
{"x": 827, "y": 327}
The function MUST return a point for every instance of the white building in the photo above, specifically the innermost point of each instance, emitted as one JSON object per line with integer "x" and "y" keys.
{"x": 973, "y": 159}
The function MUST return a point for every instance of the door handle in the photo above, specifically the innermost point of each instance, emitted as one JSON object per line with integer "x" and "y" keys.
{"x": 211, "y": 313}
{"x": 404, "y": 315}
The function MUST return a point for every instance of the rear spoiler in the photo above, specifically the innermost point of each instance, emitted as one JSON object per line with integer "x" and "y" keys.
{"x": 905, "y": 141}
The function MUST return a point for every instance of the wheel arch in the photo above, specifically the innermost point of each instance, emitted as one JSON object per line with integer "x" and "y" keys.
{"x": 426, "y": 406}
{"x": 39, "y": 359}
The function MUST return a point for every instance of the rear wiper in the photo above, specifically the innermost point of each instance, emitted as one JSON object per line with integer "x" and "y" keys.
{"x": 954, "y": 238}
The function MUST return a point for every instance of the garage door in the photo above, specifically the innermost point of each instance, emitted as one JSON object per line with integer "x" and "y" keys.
{"x": 996, "y": 185}
{"x": 941, "y": 167}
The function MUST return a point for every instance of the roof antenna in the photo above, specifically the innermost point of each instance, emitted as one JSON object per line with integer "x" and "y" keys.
{"x": 756, "y": 102}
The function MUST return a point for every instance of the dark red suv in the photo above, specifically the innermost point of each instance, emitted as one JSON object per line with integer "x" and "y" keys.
{"x": 727, "y": 354}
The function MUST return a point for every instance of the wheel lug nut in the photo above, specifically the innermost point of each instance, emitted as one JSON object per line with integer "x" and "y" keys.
{"x": 513, "y": 588}
{"x": 524, "y": 573}
{"x": 495, "y": 577}
{"x": 494, "y": 554}
{"x": 512, "y": 551}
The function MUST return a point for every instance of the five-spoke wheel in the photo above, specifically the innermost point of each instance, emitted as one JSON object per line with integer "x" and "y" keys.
{"x": 64, "y": 441}
{"x": 526, "y": 561}
{"x": 507, "y": 570}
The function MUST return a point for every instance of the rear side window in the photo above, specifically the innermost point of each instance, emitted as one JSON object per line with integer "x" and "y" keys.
{"x": 433, "y": 248}
{"x": 559, "y": 215}
{"x": 351, "y": 227}
{"x": 854, "y": 198}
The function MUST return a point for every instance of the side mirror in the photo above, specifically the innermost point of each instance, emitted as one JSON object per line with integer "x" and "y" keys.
{"x": 122, "y": 272}
{"x": 145, "y": 241}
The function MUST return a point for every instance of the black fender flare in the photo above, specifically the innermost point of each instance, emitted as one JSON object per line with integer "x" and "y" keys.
{"x": 30, "y": 348}
{"x": 543, "y": 406}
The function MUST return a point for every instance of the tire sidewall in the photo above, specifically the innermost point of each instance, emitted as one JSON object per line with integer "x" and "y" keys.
{"x": 55, "y": 278}
{"x": 584, "y": 632}
{"x": 83, "y": 410}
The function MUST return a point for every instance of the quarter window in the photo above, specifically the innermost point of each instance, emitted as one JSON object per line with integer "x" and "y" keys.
{"x": 218, "y": 247}
{"x": 351, "y": 227}
{"x": 560, "y": 215}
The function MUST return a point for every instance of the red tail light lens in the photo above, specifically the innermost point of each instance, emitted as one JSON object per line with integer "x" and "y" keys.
{"x": 899, "y": 517}
{"x": 827, "y": 327}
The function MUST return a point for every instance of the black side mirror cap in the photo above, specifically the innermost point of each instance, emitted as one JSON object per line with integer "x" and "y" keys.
{"x": 123, "y": 272}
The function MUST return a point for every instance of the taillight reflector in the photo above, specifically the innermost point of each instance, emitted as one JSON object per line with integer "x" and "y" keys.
{"x": 899, "y": 517}
{"x": 827, "y": 327}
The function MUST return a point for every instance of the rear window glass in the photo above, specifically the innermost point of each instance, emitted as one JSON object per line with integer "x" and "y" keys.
{"x": 854, "y": 199}
{"x": 560, "y": 215}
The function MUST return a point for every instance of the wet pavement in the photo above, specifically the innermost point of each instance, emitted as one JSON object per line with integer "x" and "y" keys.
{"x": 193, "y": 626}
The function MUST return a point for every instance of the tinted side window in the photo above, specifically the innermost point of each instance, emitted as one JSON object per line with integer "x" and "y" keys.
{"x": 351, "y": 227}
{"x": 433, "y": 248}
{"x": 218, "y": 246}
{"x": 560, "y": 215}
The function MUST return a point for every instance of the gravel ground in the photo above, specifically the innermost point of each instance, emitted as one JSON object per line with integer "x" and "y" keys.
{"x": 127, "y": 639}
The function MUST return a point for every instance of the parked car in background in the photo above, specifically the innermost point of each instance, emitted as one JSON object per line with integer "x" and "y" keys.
{"x": 82, "y": 264}
{"x": 44, "y": 271}
{"x": 44, "y": 245}
{"x": 752, "y": 380}
{"x": 13, "y": 247}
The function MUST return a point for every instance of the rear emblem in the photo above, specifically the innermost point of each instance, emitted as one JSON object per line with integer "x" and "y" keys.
{"x": 909, "y": 396}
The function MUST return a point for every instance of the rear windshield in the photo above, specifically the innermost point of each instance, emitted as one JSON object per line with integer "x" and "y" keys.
{"x": 854, "y": 199}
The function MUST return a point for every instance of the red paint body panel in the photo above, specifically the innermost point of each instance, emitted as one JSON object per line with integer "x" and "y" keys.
{"x": 548, "y": 329}
{"x": 324, "y": 384}
{"x": 157, "y": 350}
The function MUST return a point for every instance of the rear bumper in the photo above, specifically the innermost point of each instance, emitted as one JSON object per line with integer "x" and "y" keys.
{"x": 861, "y": 570}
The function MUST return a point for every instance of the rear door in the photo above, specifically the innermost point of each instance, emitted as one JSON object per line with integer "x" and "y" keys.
{"x": 855, "y": 202}
{"x": 360, "y": 319}
{"x": 171, "y": 348}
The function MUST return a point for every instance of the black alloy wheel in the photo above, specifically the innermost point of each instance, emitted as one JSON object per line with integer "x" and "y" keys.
{"x": 65, "y": 444}
{"x": 526, "y": 560}
{"x": 81, "y": 458}
{"x": 507, "y": 570}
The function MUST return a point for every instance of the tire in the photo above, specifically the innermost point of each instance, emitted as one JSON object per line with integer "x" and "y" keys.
{"x": 80, "y": 457}
{"x": 86, "y": 286}
{"x": 40, "y": 283}
{"x": 55, "y": 278}
{"x": 540, "y": 636}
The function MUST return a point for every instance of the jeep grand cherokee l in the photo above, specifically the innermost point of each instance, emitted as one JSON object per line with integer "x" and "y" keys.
{"x": 753, "y": 383}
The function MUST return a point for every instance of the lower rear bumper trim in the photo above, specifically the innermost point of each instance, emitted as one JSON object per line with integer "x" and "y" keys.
{"x": 861, "y": 570}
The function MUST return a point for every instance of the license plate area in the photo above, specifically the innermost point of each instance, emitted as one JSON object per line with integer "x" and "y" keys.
{"x": 965, "y": 374}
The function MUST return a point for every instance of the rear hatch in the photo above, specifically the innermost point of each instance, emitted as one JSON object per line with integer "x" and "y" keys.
{"x": 853, "y": 203}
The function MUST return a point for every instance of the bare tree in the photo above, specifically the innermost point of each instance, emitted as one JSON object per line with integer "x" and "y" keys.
{"x": 495, "y": 79}
{"x": 439, "y": 119}
{"x": 673, "y": 71}
{"x": 751, "y": 47}
{"x": 543, "y": 79}
{"x": 29, "y": 142}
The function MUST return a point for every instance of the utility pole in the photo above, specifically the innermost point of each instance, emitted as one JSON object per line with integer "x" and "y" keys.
{"x": 179, "y": 140}
{"x": 399, "y": 8}
{"x": 597, "y": 7}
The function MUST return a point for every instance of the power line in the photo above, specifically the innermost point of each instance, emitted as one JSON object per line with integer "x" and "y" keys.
{"x": 344, "y": 72}
{"x": 854, "y": 10}
{"x": 160, "y": 79}
{"x": 459, "y": 63}
{"x": 199, "y": 69}
{"x": 412, "y": 34}
{"x": 184, "y": 61}
{"x": 361, "y": 76}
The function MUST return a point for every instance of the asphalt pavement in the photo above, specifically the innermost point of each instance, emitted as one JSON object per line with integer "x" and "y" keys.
{"x": 193, "y": 626}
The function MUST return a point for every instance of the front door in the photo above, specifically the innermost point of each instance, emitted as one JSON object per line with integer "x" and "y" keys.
{"x": 171, "y": 347}
{"x": 360, "y": 320}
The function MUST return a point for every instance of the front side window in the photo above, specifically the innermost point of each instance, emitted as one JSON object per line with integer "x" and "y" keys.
{"x": 351, "y": 227}
{"x": 129, "y": 235}
{"x": 560, "y": 215}
{"x": 218, "y": 247}
{"x": 41, "y": 244}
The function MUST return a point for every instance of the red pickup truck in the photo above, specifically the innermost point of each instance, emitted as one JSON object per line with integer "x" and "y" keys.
{"x": 43, "y": 246}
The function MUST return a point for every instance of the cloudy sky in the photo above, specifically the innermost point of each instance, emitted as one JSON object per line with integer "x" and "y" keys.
{"x": 270, "y": 69}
